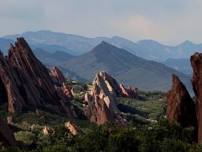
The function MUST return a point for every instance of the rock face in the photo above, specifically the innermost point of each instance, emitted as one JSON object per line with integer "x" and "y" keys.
{"x": 6, "y": 135}
{"x": 113, "y": 87}
{"x": 181, "y": 107}
{"x": 25, "y": 82}
{"x": 62, "y": 88}
{"x": 128, "y": 92}
{"x": 47, "y": 130}
{"x": 196, "y": 62}
{"x": 72, "y": 127}
{"x": 57, "y": 75}
{"x": 100, "y": 103}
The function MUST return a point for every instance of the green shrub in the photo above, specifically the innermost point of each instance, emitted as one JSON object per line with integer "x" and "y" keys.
{"x": 26, "y": 137}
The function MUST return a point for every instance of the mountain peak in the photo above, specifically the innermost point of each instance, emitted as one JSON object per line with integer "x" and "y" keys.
{"x": 104, "y": 47}
{"x": 105, "y": 43}
{"x": 187, "y": 43}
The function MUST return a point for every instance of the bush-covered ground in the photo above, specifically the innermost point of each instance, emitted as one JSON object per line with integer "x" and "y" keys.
{"x": 159, "y": 137}
{"x": 147, "y": 131}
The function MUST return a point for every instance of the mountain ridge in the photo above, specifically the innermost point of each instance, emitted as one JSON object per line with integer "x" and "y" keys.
{"x": 77, "y": 45}
{"x": 126, "y": 67}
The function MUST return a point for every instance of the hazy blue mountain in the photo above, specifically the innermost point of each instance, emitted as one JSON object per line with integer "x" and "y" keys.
{"x": 55, "y": 58}
{"x": 77, "y": 45}
{"x": 51, "y": 48}
{"x": 182, "y": 65}
{"x": 126, "y": 67}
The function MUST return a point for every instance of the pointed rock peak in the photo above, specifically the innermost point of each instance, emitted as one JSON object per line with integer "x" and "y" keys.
{"x": 175, "y": 79}
{"x": 103, "y": 75}
{"x": 20, "y": 44}
{"x": 101, "y": 101}
{"x": 21, "y": 48}
{"x": 28, "y": 83}
{"x": 178, "y": 85}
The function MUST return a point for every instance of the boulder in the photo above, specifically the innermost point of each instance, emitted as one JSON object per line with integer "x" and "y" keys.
{"x": 72, "y": 127}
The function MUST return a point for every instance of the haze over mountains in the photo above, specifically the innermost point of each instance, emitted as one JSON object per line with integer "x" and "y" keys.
{"x": 126, "y": 67}
{"x": 81, "y": 57}
{"x": 77, "y": 45}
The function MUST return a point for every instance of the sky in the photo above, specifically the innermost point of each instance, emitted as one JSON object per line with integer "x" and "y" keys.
{"x": 167, "y": 21}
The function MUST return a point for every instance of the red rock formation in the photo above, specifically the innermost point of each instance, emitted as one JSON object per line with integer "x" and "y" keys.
{"x": 128, "y": 92}
{"x": 196, "y": 62}
{"x": 180, "y": 106}
{"x": 72, "y": 127}
{"x": 114, "y": 88}
{"x": 21, "y": 57}
{"x": 6, "y": 135}
{"x": 25, "y": 82}
{"x": 57, "y": 75}
{"x": 59, "y": 80}
{"x": 67, "y": 91}
{"x": 9, "y": 90}
{"x": 100, "y": 104}
{"x": 109, "y": 82}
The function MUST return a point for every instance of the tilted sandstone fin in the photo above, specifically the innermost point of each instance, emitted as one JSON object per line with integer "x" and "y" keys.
{"x": 26, "y": 83}
{"x": 180, "y": 106}
{"x": 100, "y": 104}
{"x": 196, "y": 62}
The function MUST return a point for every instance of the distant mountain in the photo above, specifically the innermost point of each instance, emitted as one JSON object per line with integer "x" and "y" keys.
{"x": 56, "y": 58}
{"x": 48, "y": 54}
{"x": 124, "y": 66}
{"x": 77, "y": 45}
{"x": 74, "y": 43}
{"x": 182, "y": 65}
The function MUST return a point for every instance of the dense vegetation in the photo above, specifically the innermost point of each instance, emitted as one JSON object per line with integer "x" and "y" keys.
{"x": 147, "y": 131}
{"x": 159, "y": 137}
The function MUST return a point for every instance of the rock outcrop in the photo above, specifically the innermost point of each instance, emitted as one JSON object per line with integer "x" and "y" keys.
{"x": 196, "y": 62}
{"x": 114, "y": 88}
{"x": 62, "y": 87}
{"x": 128, "y": 92}
{"x": 6, "y": 135}
{"x": 25, "y": 82}
{"x": 180, "y": 106}
{"x": 100, "y": 103}
{"x": 72, "y": 128}
{"x": 57, "y": 75}
{"x": 47, "y": 130}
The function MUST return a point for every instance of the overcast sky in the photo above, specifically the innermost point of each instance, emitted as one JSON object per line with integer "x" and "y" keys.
{"x": 168, "y": 21}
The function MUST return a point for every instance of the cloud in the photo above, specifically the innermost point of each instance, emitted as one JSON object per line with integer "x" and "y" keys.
{"x": 163, "y": 20}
